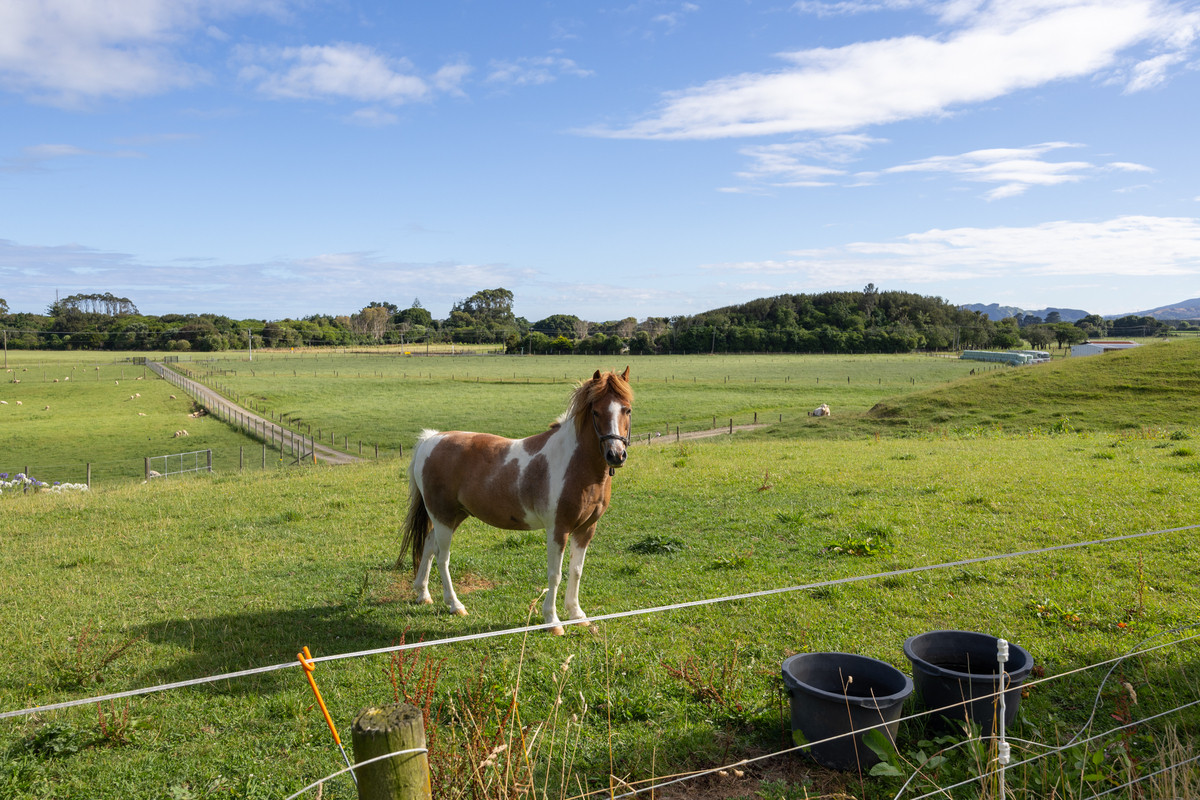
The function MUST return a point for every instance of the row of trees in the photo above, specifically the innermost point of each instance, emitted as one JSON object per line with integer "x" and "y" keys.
{"x": 870, "y": 321}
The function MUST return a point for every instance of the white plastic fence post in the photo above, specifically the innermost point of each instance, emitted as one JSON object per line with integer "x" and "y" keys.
{"x": 1003, "y": 751}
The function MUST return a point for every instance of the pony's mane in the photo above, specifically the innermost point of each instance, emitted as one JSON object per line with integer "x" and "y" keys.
{"x": 592, "y": 390}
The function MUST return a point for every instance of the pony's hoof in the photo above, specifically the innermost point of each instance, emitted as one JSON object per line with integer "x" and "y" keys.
{"x": 460, "y": 612}
{"x": 424, "y": 601}
{"x": 557, "y": 630}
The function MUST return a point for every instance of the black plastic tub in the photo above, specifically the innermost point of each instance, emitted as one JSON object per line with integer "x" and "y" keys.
{"x": 959, "y": 671}
{"x": 833, "y": 694}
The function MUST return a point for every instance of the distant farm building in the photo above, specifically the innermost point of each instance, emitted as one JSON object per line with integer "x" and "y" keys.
{"x": 1095, "y": 348}
{"x": 1013, "y": 358}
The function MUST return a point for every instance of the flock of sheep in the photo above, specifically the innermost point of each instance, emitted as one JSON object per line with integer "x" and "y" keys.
{"x": 134, "y": 396}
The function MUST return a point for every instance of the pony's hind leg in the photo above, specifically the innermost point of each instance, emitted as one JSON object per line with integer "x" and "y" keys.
{"x": 439, "y": 542}
{"x": 421, "y": 578}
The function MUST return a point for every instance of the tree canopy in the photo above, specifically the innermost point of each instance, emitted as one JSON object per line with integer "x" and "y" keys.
{"x": 869, "y": 321}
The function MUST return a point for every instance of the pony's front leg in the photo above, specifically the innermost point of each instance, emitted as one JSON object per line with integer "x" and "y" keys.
{"x": 555, "y": 541}
{"x": 579, "y": 545}
{"x": 438, "y": 546}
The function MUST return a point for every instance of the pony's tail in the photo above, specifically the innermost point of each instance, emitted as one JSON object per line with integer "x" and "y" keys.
{"x": 416, "y": 526}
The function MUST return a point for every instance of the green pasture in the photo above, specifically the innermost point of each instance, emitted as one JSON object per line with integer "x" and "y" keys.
{"x": 388, "y": 399}
{"x": 109, "y": 414}
{"x": 384, "y": 399}
{"x": 134, "y": 585}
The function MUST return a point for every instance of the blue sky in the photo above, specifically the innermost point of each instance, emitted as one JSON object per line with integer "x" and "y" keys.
{"x": 280, "y": 158}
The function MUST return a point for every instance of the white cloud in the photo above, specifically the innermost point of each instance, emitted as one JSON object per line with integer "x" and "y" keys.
{"x": 68, "y": 52}
{"x": 1015, "y": 169}
{"x": 342, "y": 71}
{"x": 534, "y": 70}
{"x": 1131, "y": 246}
{"x": 36, "y": 158}
{"x": 999, "y": 48}
{"x": 327, "y": 283}
{"x": 673, "y": 19}
{"x": 851, "y": 7}
{"x": 788, "y": 165}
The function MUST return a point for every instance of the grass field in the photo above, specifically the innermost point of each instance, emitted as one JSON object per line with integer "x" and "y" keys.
{"x": 139, "y": 585}
{"x": 385, "y": 399}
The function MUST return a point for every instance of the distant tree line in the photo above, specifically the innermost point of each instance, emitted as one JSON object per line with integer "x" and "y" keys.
{"x": 870, "y": 321}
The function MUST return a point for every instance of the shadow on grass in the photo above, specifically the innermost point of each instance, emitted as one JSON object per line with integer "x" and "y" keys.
{"x": 234, "y": 642}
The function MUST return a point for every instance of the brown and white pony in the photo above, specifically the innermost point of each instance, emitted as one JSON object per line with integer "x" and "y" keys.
{"x": 559, "y": 480}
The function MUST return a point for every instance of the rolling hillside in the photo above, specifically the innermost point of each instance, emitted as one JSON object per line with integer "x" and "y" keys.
{"x": 1155, "y": 385}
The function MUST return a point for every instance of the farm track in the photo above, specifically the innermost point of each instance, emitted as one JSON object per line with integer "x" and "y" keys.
{"x": 685, "y": 435}
{"x": 269, "y": 431}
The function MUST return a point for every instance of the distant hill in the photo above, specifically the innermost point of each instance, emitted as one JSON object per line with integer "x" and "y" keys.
{"x": 1154, "y": 385}
{"x": 1187, "y": 309}
{"x": 997, "y": 312}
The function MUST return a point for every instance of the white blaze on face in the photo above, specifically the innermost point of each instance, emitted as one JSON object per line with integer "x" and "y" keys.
{"x": 609, "y": 424}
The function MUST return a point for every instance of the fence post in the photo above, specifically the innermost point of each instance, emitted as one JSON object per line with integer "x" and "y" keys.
{"x": 147, "y": 470}
{"x": 89, "y": 475}
{"x": 731, "y": 426}
{"x": 210, "y": 459}
{"x": 379, "y": 731}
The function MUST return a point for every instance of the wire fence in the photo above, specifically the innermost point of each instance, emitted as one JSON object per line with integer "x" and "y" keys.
{"x": 655, "y": 784}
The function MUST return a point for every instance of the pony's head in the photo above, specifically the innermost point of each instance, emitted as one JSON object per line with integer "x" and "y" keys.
{"x": 604, "y": 405}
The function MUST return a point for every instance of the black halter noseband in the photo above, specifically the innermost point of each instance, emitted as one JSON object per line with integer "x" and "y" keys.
{"x": 604, "y": 437}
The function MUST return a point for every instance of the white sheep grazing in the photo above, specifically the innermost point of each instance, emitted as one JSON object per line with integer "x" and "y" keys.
{"x": 820, "y": 411}
{"x": 172, "y": 397}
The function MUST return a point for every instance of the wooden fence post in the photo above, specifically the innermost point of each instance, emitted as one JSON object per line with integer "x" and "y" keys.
{"x": 379, "y": 731}
{"x": 147, "y": 470}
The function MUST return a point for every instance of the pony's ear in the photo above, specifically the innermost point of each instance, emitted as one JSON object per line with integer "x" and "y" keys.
{"x": 596, "y": 377}
{"x": 625, "y": 375}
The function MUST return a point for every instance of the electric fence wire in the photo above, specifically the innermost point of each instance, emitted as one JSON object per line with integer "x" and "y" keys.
{"x": 344, "y": 770}
{"x": 598, "y": 618}
{"x": 1029, "y": 684}
{"x": 1147, "y": 776}
{"x": 1058, "y": 749}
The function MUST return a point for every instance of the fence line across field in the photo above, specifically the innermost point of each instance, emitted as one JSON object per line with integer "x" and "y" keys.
{"x": 602, "y": 618}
